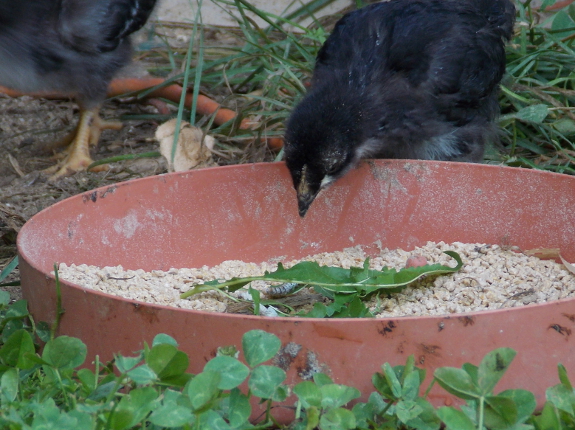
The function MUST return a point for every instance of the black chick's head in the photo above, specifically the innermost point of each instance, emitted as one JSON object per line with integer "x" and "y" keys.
{"x": 322, "y": 138}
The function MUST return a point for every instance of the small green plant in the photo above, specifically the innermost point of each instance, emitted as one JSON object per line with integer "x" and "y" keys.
{"x": 344, "y": 287}
{"x": 508, "y": 409}
{"x": 150, "y": 390}
{"x": 537, "y": 95}
{"x": 8, "y": 269}
{"x": 153, "y": 390}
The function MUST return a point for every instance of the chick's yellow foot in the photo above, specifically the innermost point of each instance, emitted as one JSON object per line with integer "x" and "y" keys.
{"x": 78, "y": 153}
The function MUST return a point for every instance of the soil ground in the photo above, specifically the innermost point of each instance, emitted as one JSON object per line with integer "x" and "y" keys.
{"x": 28, "y": 125}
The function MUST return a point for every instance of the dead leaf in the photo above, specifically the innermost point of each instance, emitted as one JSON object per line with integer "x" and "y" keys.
{"x": 543, "y": 253}
{"x": 15, "y": 165}
{"x": 193, "y": 148}
{"x": 567, "y": 265}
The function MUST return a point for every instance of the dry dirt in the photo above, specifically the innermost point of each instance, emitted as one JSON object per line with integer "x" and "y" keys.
{"x": 28, "y": 125}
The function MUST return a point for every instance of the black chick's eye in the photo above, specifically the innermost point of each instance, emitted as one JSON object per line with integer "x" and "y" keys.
{"x": 331, "y": 167}
{"x": 333, "y": 170}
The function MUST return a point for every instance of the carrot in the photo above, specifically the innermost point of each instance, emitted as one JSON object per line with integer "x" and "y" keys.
{"x": 559, "y": 5}
{"x": 173, "y": 92}
{"x": 204, "y": 105}
{"x": 275, "y": 143}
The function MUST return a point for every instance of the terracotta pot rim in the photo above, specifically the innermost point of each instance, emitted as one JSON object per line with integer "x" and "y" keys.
{"x": 161, "y": 177}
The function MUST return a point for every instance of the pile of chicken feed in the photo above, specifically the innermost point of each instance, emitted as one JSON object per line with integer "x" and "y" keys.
{"x": 492, "y": 277}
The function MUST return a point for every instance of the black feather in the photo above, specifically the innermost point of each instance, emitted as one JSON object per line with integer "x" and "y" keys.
{"x": 67, "y": 46}
{"x": 400, "y": 79}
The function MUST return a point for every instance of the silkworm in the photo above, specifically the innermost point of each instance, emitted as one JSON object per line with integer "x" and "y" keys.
{"x": 282, "y": 290}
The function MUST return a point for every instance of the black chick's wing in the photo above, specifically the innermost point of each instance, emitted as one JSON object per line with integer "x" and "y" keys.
{"x": 100, "y": 26}
{"x": 436, "y": 60}
{"x": 457, "y": 55}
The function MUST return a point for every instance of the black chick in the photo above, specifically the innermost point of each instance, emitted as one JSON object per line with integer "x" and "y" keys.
{"x": 72, "y": 47}
{"x": 400, "y": 79}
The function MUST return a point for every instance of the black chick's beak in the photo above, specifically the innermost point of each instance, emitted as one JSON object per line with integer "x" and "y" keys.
{"x": 304, "y": 201}
{"x": 306, "y": 193}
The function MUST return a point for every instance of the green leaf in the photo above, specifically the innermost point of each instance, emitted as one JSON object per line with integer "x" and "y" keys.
{"x": 4, "y": 298}
{"x": 360, "y": 274}
{"x": 203, "y": 388}
{"x": 16, "y": 350}
{"x": 213, "y": 421}
{"x": 88, "y": 379}
{"x": 240, "y": 408}
{"x": 454, "y": 419}
{"x": 407, "y": 410}
{"x": 408, "y": 368}
{"x": 43, "y": 331}
{"x": 524, "y": 401}
{"x": 364, "y": 415}
{"x": 562, "y": 398}
{"x": 563, "y": 377}
{"x": 11, "y": 326}
{"x": 48, "y": 417}
{"x": 142, "y": 375}
{"x": 9, "y": 386}
{"x": 308, "y": 393}
{"x": 562, "y": 21}
{"x": 457, "y": 382}
{"x": 337, "y": 279}
{"x": 548, "y": 419}
{"x": 472, "y": 370}
{"x": 162, "y": 338}
{"x": 259, "y": 346}
{"x": 102, "y": 391}
{"x": 335, "y": 395}
{"x": 173, "y": 412}
{"x": 382, "y": 386}
{"x": 534, "y": 113}
{"x": 281, "y": 394}
{"x": 377, "y": 402}
{"x": 321, "y": 379}
{"x": 337, "y": 419}
{"x": 319, "y": 310}
{"x": 565, "y": 126}
{"x": 500, "y": 412}
{"x": 355, "y": 308}
{"x": 264, "y": 380}
{"x": 492, "y": 368}
{"x": 126, "y": 363}
{"x": 411, "y": 384}
{"x": 64, "y": 352}
{"x": 392, "y": 380}
{"x": 256, "y": 298}
{"x": 546, "y": 3}
{"x": 427, "y": 418}
{"x": 232, "y": 371}
{"x": 134, "y": 407}
{"x": 120, "y": 419}
{"x": 167, "y": 361}
{"x": 81, "y": 420}
{"x": 18, "y": 309}
{"x": 3, "y": 275}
